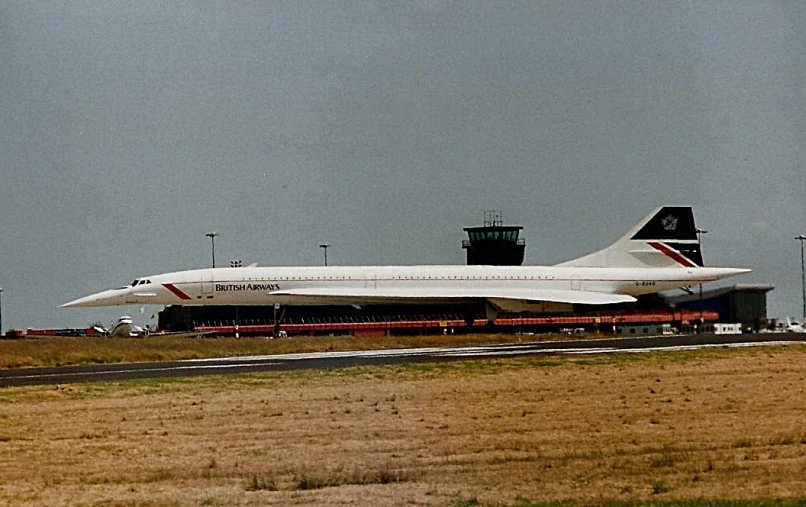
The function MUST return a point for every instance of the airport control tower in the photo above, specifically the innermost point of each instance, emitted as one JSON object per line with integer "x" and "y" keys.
{"x": 494, "y": 244}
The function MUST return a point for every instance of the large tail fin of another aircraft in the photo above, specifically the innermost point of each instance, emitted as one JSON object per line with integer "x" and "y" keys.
{"x": 667, "y": 237}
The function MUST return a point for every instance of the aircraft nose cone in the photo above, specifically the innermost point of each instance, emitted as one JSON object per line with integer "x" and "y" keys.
{"x": 79, "y": 303}
{"x": 106, "y": 298}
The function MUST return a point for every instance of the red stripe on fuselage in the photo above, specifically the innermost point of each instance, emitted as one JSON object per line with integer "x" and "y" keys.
{"x": 179, "y": 293}
{"x": 668, "y": 252}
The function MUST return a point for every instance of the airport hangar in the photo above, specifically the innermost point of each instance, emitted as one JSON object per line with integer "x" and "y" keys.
{"x": 490, "y": 244}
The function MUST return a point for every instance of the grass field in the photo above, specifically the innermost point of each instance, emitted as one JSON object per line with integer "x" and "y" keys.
{"x": 715, "y": 427}
{"x": 52, "y": 351}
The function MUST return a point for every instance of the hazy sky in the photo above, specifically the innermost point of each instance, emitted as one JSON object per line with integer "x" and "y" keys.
{"x": 130, "y": 129}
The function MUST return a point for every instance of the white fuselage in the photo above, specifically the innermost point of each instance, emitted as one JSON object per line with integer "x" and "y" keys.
{"x": 385, "y": 284}
{"x": 660, "y": 253}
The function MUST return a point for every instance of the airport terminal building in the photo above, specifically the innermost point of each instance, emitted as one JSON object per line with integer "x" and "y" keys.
{"x": 743, "y": 303}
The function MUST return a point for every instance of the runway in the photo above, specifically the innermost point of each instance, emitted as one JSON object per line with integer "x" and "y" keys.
{"x": 329, "y": 360}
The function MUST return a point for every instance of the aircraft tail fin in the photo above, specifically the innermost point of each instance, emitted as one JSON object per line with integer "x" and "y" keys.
{"x": 667, "y": 237}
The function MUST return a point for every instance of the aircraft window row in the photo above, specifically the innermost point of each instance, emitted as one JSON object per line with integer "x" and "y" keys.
{"x": 493, "y": 235}
{"x": 283, "y": 278}
{"x": 140, "y": 282}
{"x": 315, "y": 278}
{"x": 474, "y": 277}
{"x": 497, "y": 277}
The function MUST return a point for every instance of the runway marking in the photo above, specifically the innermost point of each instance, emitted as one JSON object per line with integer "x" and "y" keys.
{"x": 330, "y": 360}
{"x": 482, "y": 350}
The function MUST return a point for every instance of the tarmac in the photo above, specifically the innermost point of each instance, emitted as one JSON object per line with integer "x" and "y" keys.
{"x": 329, "y": 360}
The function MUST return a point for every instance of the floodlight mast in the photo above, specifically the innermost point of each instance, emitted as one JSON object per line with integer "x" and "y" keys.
{"x": 700, "y": 232}
{"x": 324, "y": 246}
{"x": 801, "y": 238}
{"x": 212, "y": 235}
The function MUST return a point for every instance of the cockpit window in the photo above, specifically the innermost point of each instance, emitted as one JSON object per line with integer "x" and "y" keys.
{"x": 135, "y": 282}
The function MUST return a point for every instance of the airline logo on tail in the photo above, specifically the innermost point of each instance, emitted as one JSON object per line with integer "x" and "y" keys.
{"x": 665, "y": 238}
{"x": 671, "y": 231}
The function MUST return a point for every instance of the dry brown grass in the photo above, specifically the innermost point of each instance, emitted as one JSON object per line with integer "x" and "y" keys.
{"x": 667, "y": 426}
{"x": 57, "y": 351}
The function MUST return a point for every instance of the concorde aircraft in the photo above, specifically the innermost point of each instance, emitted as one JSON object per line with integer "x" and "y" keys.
{"x": 662, "y": 252}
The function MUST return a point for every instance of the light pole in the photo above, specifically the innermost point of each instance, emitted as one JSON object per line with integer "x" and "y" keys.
{"x": 700, "y": 232}
{"x": 802, "y": 276}
{"x": 324, "y": 246}
{"x": 212, "y": 236}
